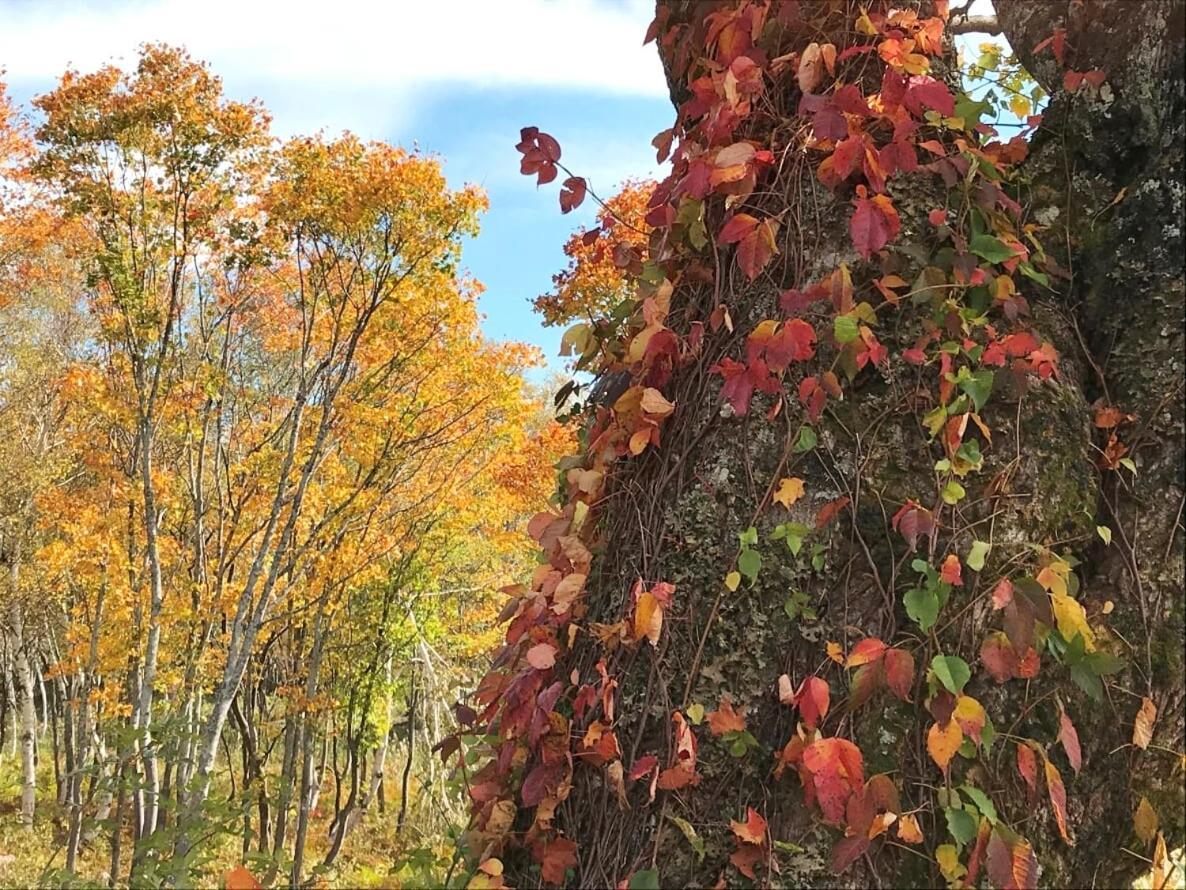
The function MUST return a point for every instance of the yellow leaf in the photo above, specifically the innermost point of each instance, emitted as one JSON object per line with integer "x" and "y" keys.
{"x": 835, "y": 651}
{"x": 732, "y": 580}
{"x": 1145, "y": 821}
{"x": 948, "y": 859}
{"x": 943, "y": 742}
{"x": 789, "y": 491}
{"x": 1071, "y": 619}
{"x": 1142, "y": 726}
{"x": 648, "y": 618}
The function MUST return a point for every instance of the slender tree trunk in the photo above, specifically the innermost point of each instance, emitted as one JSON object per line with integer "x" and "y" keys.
{"x": 309, "y": 786}
{"x": 24, "y": 682}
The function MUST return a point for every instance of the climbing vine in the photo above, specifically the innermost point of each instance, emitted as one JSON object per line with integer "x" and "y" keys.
{"x": 876, "y": 113}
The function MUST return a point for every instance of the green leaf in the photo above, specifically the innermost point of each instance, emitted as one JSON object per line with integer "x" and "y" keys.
{"x": 982, "y": 801}
{"x": 749, "y": 563}
{"x": 952, "y": 671}
{"x": 806, "y": 441}
{"x": 961, "y": 824}
{"x": 922, "y": 606}
{"x": 749, "y": 537}
{"x": 845, "y": 329}
{"x": 1105, "y": 533}
{"x": 978, "y": 386}
{"x": 992, "y": 249}
{"x": 952, "y": 492}
{"x": 644, "y": 880}
{"x": 977, "y": 554}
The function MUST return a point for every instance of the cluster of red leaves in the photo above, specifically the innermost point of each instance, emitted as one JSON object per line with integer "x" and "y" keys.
{"x": 859, "y": 140}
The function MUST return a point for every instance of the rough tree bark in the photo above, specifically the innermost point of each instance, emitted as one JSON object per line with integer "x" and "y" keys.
{"x": 676, "y": 512}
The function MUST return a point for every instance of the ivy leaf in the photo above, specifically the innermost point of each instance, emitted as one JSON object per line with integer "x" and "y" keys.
{"x": 989, "y": 248}
{"x": 572, "y": 193}
{"x": 982, "y": 801}
{"x": 952, "y": 671}
{"x": 752, "y": 830}
{"x": 874, "y": 223}
{"x": 749, "y": 563}
{"x": 977, "y": 554}
{"x": 845, "y": 329}
{"x": 922, "y": 606}
{"x": 978, "y": 386}
{"x": 806, "y": 441}
{"x": 961, "y": 824}
{"x": 943, "y": 742}
{"x": 789, "y": 490}
{"x": 647, "y": 879}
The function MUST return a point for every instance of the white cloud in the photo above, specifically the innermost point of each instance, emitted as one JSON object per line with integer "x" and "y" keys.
{"x": 356, "y": 53}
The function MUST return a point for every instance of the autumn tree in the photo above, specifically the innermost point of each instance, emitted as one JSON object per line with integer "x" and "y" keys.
{"x": 873, "y": 574}
{"x": 260, "y": 463}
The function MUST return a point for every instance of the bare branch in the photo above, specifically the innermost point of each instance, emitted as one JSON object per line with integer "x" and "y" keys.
{"x": 976, "y": 24}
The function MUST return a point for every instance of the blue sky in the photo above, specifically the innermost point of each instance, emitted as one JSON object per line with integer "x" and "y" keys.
{"x": 460, "y": 86}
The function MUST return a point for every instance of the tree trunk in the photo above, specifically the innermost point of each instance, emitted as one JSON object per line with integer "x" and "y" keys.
{"x": 1104, "y": 174}
{"x": 24, "y": 685}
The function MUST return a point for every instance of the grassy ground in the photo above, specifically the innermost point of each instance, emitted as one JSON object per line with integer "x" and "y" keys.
{"x": 374, "y": 855}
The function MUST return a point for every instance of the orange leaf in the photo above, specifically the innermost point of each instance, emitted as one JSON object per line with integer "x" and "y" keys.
{"x": 752, "y": 830}
{"x": 239, "y": 878}
{"x": 1058, "y": 800}
{"x": 726, "y": 719}
{"x": 943, "y": 742}
{"x": 908, "y": 829}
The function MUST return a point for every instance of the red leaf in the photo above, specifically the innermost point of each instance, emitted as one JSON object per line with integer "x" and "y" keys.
{"x": 642, "y": 766}
{"x": 836, "y": 770}
{"x": 572, "y": 193}
{"x": 1069, "y": 738}
{"x": 847, "y": 851}
{"x": 1027, "y": 765}
{"x": 543, "y": 779}
{"x": 899, "y": 672}
{"x": 812, "y": 700}
{"x": 830, "y": 511}
{"x": 999, "y": 657}
{"x": 868, "y": 227}
{"x": 746, "y": 857}
{"x": 794, "y": 341}
{"x": 756, "y": 250}
{"x": 738, "y": 227}
{"x": 912, "y": 522}
{"x": 867, "y": 650}
{"x": 555, "y": 858}
{"x": 926, "y": 92}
